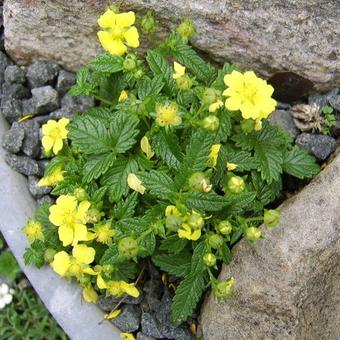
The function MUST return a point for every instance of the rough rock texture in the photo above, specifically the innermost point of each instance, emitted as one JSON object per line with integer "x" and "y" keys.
{"x": 269, "y": 36}
{"x": 287, "y": 285}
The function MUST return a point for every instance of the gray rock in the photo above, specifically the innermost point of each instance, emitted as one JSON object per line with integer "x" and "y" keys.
{"x": 241, "y": 31}
{"x": 28, "y": 107}
{"x": 287, "y": 284}
{"x": 107, "y": 303}
{"x": 42, "y": 166}
{"x": 11, "y": 109}
{"x": 35, "y": 190}
{"x": 42, "y": 119}
{"x": 129, "y": 319}
{"x": 63, "y": 112}
{"x": 150, "y": 326}
{"x": 42, "y": 73}
{"x": 45, "y": 199}
{"x": 334, "y": 101}
{"x": 321, "y": 146}
{"x": 65, "y": 81}
{"x": 321, "y": 99}
{"x": 13, "y": 138}
{"x": 4, "y": 62}
{"x": 14, "y": 91}
{"x": 14, "y": 74}
{"x": 23, "y": 164}
{"x": 153, "y": 290}
{"x": 77, "y": 104}
{"x": 45, "y": 99}
{"x": 31, "y": 143}
{"x": 284, "y": 120}
{"x": 141, "y": 336}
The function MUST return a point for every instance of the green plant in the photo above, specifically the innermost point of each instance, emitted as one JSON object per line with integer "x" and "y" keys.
{"x": 329, "y": 119}
{"x": 175, "y": 163}
{"x": 8, "y": 265}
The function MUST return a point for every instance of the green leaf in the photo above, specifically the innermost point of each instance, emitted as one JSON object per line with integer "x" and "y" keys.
{"x": 42, "y": 214}
{"x": 202, "y": 201}
{"x": 35, "y": 254}
{"x": 178, "y": 265}
{"x": 82, "y": 86}
{"x": 112, "y": 256}
{"x": 225, "y": 127}
{"x": 270, "y": 161}
{"x": 245, "y": 141}
{"x": 150, "y": 87}
{"x": 197, "y": 264}
{"x": 148, "y": 244}
{"x": 126, "y": 208}
{"x": 107, "y": 63}
{"x": 8, "y": 265}
{"x": 160, "y": 67}
{"x": 99, "y": 112}
{"x": 166, "y": 146}
{"x": 243, "y": 159}
{"x": 188, "y": 57}
{"x": 224, "y": 254}
{"x": 125, "y": 271}
{"x": 265, "y": 192}
{"x": 97, "y": 166}
{"x": 157, "y": 183}
{"x": 173, "y": 244}
{"x": 236, "y": 203}
{"x": 297, "y": 162}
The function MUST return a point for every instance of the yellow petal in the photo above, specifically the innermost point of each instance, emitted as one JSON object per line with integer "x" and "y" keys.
{"x": 231, "y": 166}
{"x": 127, "y": 336}
{"x": 233, "y": 103}
{"x": 83, "y": 254}
{"x": 107, "y": 20}
{"x": 65, "y": 235}
{"x": 135, "y": 183}
{"x": 115, "y": 47}
{"x": 179, "y": 70}
{"x": 90, "y": 271}
{"x": 146, "y": 147}
{"x": 61, "y": 263}
{"x": 234, "y": 80}
{"x": 172, "y": 210}
{"x": 125, "y": 19}
{"x": 101, "y": 283}
{"x": 63, "y": 122}
{"x": 112, "y": 315}
{"x": 90, "y": 295}
{"x": 196, "y": 235}
{"x": 132, "y": 37}
{"x": 58, "y": 145}
{"x": 80, "y": 233}
{"x": 47, "y": 143}
{"x": 123, "y": 96}
{"x": 44, "y": 182}
{"x": 82, "y": 211}
{"x": 129, "y": 288}
{"x": 49, "y": 126}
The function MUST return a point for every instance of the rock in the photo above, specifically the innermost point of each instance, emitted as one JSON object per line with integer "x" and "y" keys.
{"x": 28, "y": 107}
{"x": 14, "y": 75}
{"x": 42, "y": 119}
{"x": 129, "y": 319}
{"x": 31, "y": 143}
{"x": 42, "y": 166}
{"x": 11, "y": 109}
{"x": 45, "y": 199}
{"x": 42, "y": 73}
{"x": 334, "y": 101}
{"x": 77, "y": 104}
{"x": 108, "y": 303}
{"x": 65, "y": 81}
{"x": 150, "y": 326}
{"x": 22, "y": 164}
{"x": 4, "y": 62}
{"x": 141, "y": 336}
{"x": 35, "y": 190}
{"x": 321, "y": 99}
{"x": 297, "y": 36}
{"x": 63, "y": 112}
{"x": 287, "y": 284}
{"x": 45, "y": 99}
{"x": 14, "y": 91}
{"x": 321, "y": 146}
{"x": 13, "y": 138}
{"x": 283, "y": 119}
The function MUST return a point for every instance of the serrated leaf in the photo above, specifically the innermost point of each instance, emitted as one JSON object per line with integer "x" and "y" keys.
{"x": 225, "y": 127}
{"x": 82, "y": 86}
{"x": 35, "y": 254}
{"x": 224, "y": 253}
{"x": 202, "y": 201}
{"x": 270, "y": 161}
{"x": 197, "y": 264}
{"x": 297, "y": 162}
{"x": 236, "y": 203}
{"x": 173, "y": 244}
{"x": 174, "y": 264}
{"x": 97, "y": 166}
{"x": 126, "y": 208}
{"x": 107, "y": 63}
{"x": 112, "y": 256}
{"x": 42, "y": 214}
{"x": 243, "y": 159}
{"x": 157, "y": 183}
{"x": 166, "y": 146}
{"x": 245, "y": 141}
{"x": 265, "y": 192}
{"x": 148, "y": 244}
{"x": 9, "y": 267}
{"x": 99, "y": 112}
{"x": 150, "y": 87}
{"x": 125, "y": 271}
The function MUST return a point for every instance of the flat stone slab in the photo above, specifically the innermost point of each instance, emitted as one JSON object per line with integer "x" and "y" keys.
{"x": 79, "y": 319}
{"x": 288, "y": 284}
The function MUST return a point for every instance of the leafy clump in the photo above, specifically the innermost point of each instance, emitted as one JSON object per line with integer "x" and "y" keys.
{"x": 177, "y": 163}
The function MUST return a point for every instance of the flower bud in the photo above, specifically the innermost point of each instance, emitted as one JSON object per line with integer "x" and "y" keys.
{"x": 195, "y": 221}
{"x": 215, "y": 241}
{"x": 210, "y": 123}
{"x": 49, "y": 255}
{"x": 80, "y": 194}
{"x": 209, "y": 96}
{"x": 138, "y": 74}
{"x": 253, "y": 234}
{"x": 173, "y": 222}
{"x": 209, "y": 259}
{"x": 236, "y": 184}
{"x": 248, "y": 125}
{"x": 108, "y": 268}
{"x": 224, "y": 289}
{"x": 148, "y": 23}
{"x": 199, "y": 182}
{"x": 128, "y": 247}
{"x": 186, "y": 29}
{"x": 271, "y": 218}
{"x": 224, "y": 227}
{"x": 184, "y": 82}
{"x": 93, "y": 215}
{"x": 129, "y": 63}
{"x": 114, "y": 8}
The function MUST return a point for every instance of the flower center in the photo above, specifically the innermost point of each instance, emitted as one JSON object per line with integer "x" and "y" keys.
{"x": 168, "y": 114}
{"x": 249, "y": 92}
{"x": 117, "y": 32}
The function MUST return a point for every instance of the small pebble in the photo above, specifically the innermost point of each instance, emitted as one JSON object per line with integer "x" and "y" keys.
{"x": 129, "y": 319}
{"x": 65, "y": 81}
{"x": 13, "y": 138}
{"x": 11, "y": 109}
{"x": 14, "y": 74}
{"x": 22, "y": 164}
{"x": 45, "y": 99}
{"x": 42, "y": 73}
{"x": 35, "y": 190}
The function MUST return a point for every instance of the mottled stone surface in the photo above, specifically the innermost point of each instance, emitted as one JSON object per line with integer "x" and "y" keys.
{"x": 287, "y": 285}
{"x": 270, "y": 36}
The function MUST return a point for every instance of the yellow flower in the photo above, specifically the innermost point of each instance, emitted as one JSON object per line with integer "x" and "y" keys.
{"x": 117, "y": 288}
{"x": 179, "y": 70}
{"x": 123, "y": 96}
{"x": 215, "y": 149}
{"x": 185, "y": 231}
{"x": 118, "y": 31}
{"x": 215, "y": 106}
{"x": 146, "y": 147}
{"x": 127, "y": 336}
{"x": 53, "y": 178}
{"x": 135, "y": 183}
{"x": 33, "y": 231}
{"x": 249, "y": 94}
{"x": 54, "y": 132}
{"x": 70, "y": 218}
{"x": 112, "y": 315}
{"x": 172, "y": 210}
{"x": 67, "y": 265}
{"x": 231, "y": 166}
{"x": 90, "y": 295}
{"x": 104, "y": 234}
{"x": 167, "y": 115}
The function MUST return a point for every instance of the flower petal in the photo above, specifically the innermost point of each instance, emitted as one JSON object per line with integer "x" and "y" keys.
{"x": 83, "y": 254}
{"x": 66, "y": 235}
{"x": 233, "y": 103}
{"x": 125, "y": 19}
{"x": 132, "y": 37}
{"x": 107, "y": 20}
{"x": 115, "y": 47}
{"x": 58, "y": 145}
{"x": 90, "y": 295}
{"x": 61, "y": 263}
{"x": 47, "y": 143}
{"x": 80, "y": 233}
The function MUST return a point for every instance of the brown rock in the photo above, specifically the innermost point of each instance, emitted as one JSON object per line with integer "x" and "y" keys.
{"x": 287, "y": 285}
